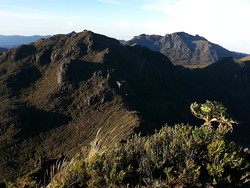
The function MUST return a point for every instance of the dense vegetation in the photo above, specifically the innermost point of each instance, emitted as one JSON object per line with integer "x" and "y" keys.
{"x": 178, "y": 156}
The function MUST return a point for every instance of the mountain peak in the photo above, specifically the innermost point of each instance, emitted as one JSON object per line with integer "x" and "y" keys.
{"x": 184, "y": 35}
{"x": 180, "y": 33}
{"x": 185, "y": 49}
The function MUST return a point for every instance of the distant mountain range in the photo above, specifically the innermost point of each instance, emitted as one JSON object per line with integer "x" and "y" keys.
{"x": 184, "y": 49}
{"x": 56, "y": 93}
{"x": 12, "y": 41}
{"x": 180, "y": 47}
{"x": 3, "y": 50}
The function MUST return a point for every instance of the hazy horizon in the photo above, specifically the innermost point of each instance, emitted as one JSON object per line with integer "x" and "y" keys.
{"x": 222, "y": 22}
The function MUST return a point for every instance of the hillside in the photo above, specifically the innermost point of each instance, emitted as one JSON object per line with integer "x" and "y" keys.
{"x": 56, "y": 93}
{"x": 247, "y": 58}
{"x": 184, "y": 49}
{"x": 12, "y": 41}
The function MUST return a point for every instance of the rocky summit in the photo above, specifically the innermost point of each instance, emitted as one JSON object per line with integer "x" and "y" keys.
{"x": 56, "y": 94}
{"x": 184, "y": 49}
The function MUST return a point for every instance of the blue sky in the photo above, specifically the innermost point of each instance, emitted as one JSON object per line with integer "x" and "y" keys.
{"x": 224, "y": 22}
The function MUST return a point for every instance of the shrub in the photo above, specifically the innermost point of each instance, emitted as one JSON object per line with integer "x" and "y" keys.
{"x": 185, "y": 155}
{"x": 178, "y": 156}
{"x": 212, "y": 111}
{"x": 174, "y": 156}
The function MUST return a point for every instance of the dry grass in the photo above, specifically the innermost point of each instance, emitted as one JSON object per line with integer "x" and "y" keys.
{"x": 245, "y": 59}
{"x": 100, "y": 144}
{"x": 54, "y": 169}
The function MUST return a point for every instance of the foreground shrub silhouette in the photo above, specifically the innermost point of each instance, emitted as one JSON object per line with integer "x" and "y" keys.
{"x": 178, "y": 156}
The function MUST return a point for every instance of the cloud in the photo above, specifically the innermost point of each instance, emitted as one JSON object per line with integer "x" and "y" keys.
{"x": 113, "y": 2}
{"x": 40, "y": 16}
{"x": 157, "y": 4}
{"x": 18, "y": 8}
{"x": 222, "y": 17}
{"x": 70, "y": 24}
{"x": 22, "y": 21}
{"x": 17, "y": 12}
{"x": 222, "y": 22}
{"x": 28, "y": 16}
{"x": 123, "y": 24}
{"x": 201, "y": 9}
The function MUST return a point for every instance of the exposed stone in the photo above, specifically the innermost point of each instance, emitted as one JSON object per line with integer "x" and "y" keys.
{"x": 62, "y": 73}
{"x": 43, "y": 57}
{"x": 55, "y": 56}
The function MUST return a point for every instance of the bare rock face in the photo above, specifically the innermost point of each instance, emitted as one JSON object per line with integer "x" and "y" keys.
{"x": 55, "y": 55}
{"x": 184, "y": 49}
{"x": 43, "y": 57}
{"x": 62, "y": 74}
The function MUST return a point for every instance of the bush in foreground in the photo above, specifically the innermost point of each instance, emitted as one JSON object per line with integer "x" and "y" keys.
{"x": 179, "y": 156}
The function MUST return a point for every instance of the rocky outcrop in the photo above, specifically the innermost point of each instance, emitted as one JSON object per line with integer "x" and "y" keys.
{"x": 43, "y": 57}
{"x": 63, "y": 71}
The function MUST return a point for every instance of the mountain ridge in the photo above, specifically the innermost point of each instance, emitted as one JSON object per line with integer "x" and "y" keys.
{"x": 12, "y": 41}
{"x": 185, "y": 49}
